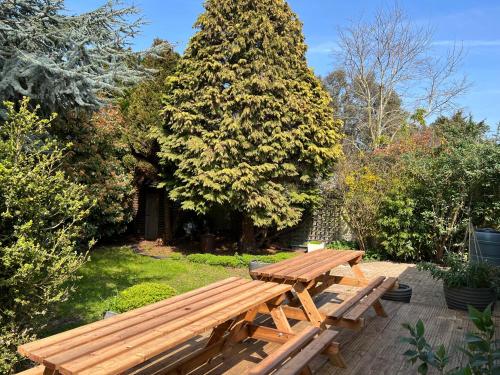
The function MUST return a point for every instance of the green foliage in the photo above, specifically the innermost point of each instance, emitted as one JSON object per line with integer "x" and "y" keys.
{"x": 237, "y": 260}
{"x": 423, "y": 351}
{"x": 481, "y": 349}
{"x": 248, "y": 124}
{"x": 66, "y": 63}
{"x": 462, "y": 273}
{"x": 453, "y": 182}
{"x": 141, "y": 108}
{"x": 398, "y": 234}
{"x": 361, "y": 187}
{"x": 373, "y": 255}
{"x": 98, "y": 160}
{"x": 415, "y": 198}
{"x": 74, "y": 64}
{"x": 341, "y": 244}
{"x": 140, "y": 295}
{"x": 42, "y": 214}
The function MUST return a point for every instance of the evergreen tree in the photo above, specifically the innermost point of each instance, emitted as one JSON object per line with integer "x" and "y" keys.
{"x": 65, "y": 63}
{"x": 248, "y": 124}
{"x": 141, "y": 108}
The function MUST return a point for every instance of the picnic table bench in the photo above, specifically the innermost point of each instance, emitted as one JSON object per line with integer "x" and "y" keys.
{"x": 112, "y": 346}
{"x": 311, "y": 273}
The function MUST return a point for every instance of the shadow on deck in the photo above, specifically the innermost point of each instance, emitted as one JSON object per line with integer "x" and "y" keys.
{"x": 376, "y": 349}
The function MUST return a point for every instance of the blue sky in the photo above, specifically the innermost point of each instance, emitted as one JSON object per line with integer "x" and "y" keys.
{"x": 475, "y": 23}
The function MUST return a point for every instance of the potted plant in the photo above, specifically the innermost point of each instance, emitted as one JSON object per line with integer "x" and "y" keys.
{"x": 465, "y": 283}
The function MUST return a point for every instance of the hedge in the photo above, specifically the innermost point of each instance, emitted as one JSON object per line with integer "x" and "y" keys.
{"x": 237, "y": 260}
{"x": 140, "y": 295}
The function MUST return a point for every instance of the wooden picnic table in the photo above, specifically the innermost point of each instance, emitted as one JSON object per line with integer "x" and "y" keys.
{"x": 311, "y": 273}
{"x": 114, "y": 345}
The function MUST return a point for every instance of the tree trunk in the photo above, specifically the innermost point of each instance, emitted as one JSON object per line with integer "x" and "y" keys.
{"x": 247, "y": 240}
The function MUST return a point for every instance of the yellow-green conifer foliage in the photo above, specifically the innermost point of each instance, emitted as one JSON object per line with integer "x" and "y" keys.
{"x": 248, "y": 124}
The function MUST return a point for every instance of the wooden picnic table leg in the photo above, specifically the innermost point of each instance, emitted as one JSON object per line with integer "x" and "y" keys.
{"x": 356, "y": 269}
{"x": 334, "y": 355}
{"x": 218, "y": 332}
{"x": 50, "y": 371}
{"x": 235, "y": 329}
{"x": 217, "y": 344}
{"x": 358, "y": 272}
{"x": 308, "y": 305}
{"x": 279, "y": 318}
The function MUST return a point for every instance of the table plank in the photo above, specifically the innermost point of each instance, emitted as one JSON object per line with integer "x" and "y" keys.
{"x": 288, "y": 263}
{"x": 157, "y": 326}
{"x": 29, "y": 348}
{"x": 308, "y": 266}
{"x": 312, "y": 264}
{"x": 312, "y": 272}
{"x": 132, "y": 353}
{"x": 145, "y": 321}
{"x": 308, "y": 260}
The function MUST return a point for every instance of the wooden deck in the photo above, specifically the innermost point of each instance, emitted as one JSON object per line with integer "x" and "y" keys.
{"x": 376, "y": 349}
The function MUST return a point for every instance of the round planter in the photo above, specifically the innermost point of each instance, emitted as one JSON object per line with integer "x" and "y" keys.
{"x": 402, "y": 294}
{"x": 485, "y": 246}
{"x": 254, "y": 264}
{"x": 459, "y": 298}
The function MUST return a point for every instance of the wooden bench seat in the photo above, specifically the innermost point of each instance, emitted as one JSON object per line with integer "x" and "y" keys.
{"x": 285, "y": 351}
{"x": 301, "y": 349}
{"x": 38, "y": 370}
{"x": 354, "y": 307}
{"x": 299, "y": 363}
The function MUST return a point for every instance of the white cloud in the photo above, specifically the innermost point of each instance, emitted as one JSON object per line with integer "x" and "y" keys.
{"x": 324, "y": 48}
{"x": 468, "y": 43}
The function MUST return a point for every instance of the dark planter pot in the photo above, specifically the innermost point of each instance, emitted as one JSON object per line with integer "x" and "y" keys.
{"x": 402, "y": 294}
{"x": 459, "y": 298}
{"x": 254, "y": 264}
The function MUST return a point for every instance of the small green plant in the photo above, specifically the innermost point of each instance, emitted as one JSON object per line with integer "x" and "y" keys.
{"x": 373, "y": 255}
{"x": 340, "y": 244}
{"x": 140, "y": 295}
{"x": 461, "y": 273}
{"x": 482, "y": 351}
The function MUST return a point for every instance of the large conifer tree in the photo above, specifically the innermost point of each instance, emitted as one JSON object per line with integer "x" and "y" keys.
{"x": 248, "y": 124}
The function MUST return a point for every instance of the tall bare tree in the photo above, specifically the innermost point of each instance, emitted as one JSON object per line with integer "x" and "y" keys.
{"x": 390, "y": 58}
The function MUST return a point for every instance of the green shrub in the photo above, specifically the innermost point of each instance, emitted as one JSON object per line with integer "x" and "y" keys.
{"x": 373, "y": 255}
{"x": 42, "y": 217}
{"x": 217, "y": 260}
{"x": 341, "y": 244}
{"x": 399, "y": 233}
{"x": 140, "y": 295}
{"x": 460, "y": 273}
{"x": 237, "y": 260}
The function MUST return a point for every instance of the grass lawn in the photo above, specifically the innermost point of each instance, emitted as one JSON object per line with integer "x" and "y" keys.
{"x": 113, "y": 269}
